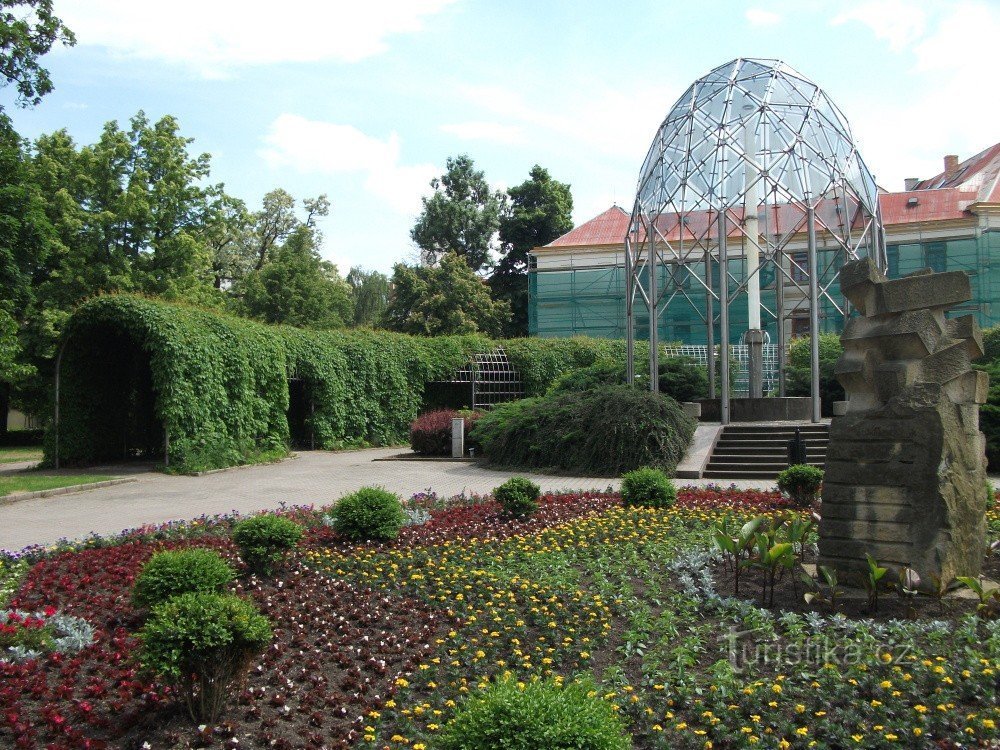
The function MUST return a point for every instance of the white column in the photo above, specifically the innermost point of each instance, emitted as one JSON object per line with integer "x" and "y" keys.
{"x": 751, "y": 239}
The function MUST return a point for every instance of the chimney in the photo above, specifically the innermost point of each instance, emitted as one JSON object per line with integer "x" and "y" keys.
{"x": 950, "y": 166}
{"x": 910, "y": 182}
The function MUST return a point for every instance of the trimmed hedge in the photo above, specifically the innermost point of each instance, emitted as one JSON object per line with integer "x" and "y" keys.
{"x": 137, "y": 371}
{"x": 603, "y": 432}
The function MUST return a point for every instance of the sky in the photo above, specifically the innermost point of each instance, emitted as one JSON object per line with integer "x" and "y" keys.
{"x": 364, "y": 101}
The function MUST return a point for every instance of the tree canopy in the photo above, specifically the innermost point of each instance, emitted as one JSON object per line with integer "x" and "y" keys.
{"x": 370, "y": 292}
{"x": 461, "y": 217}
{"x": 539, "y": 210}
{"x": 444, "y": 299}
{"x": 28, "y": 29}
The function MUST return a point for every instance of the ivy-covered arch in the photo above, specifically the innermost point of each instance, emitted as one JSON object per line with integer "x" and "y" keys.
{"x": 202, "y": 389}
{"x": 138, "y": 377}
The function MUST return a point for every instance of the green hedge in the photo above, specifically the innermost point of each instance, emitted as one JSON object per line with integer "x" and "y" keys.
{"x": 136, "y": 370}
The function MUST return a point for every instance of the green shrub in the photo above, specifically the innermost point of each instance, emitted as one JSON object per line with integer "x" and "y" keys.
{"x": 598, "y": 375}
{"x": 264, "y": 541}
{"x": 683, "y": 379}
{"x": 201, "y": 645}
{"x": 535, "y": 715}
{"x": 369, "y": 513}
{"x": 648, "y": 488}
{"x": 602, "y": 432}
{"x": 801, "y": 483}
{"x": 518, "y": 496}
{"x": 799, "y": 373}
{"x": 168, "y": 574}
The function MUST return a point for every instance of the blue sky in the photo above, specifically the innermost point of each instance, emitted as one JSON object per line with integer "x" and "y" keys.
{"x": 365, "y": 101}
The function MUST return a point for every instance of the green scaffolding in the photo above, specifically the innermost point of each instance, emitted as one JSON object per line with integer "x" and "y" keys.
{"x": 590, "y": 300}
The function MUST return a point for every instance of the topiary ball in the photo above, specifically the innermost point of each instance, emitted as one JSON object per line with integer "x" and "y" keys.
{"x": 171, "y": 573}
{"x": 648, "y": 488}
{"x": 264, "y": 541}
{"x": 801, "y": 483}
{"x": 371, "y": 513}
{"x": 518, "y": 496}
{"x": 541, "y": 715}
{"x": 201, "y": 644}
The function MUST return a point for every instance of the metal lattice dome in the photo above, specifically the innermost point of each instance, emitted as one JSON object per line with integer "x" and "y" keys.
{"x": 803, "y": 149}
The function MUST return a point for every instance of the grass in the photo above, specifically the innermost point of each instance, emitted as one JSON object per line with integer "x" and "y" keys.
{"x": 21, "y": 453}
{"x": 37, "y": 482}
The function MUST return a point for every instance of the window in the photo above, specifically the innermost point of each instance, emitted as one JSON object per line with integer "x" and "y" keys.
{"x": 800, "y": 267}
{"x": 936, "y": 256}
{"x": 800, "y": 325}
{"x": 892, "y": 256}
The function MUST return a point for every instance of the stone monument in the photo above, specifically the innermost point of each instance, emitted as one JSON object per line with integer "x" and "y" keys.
{"x": 906, "y": 471}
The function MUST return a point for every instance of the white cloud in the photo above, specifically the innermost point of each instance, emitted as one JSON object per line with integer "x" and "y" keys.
{"x": 761, "y": 17}
{"x": 950, "y": 113}
{"x": 478, "y": 130}
{"x": 313, "y": 146}
{"x": 617, "y": 122}
{"x": 899, "y": 22}
{"x": 215, "y": 35}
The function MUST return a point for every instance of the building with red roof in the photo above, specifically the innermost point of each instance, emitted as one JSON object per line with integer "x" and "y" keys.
{"x": 947, "y": 222}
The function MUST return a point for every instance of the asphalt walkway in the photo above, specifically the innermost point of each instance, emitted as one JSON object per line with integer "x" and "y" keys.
{"x": 316, "y": 478}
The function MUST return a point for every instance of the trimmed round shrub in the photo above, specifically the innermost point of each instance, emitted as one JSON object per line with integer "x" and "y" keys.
{"x": 430, "y": 433}
{"x": 801, "y": 483}
{"x": 264, "y": 541}
{"x": 537, "y": 715}
{"x": 168, "y": 574}
{"x": 648, "y": 488}
{"x": 602, "y": 432}
{"x": 370, "y": 513}
{"x": 202, "y": 645}
{"x": 518, "y": 496}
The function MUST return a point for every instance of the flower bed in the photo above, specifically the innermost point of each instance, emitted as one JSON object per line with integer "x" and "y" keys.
{"x": 377, "y": 645}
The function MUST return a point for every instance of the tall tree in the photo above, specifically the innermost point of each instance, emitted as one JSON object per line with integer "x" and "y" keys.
{"x": 277, "y": 220}
{"x": 539, "y": 210}
{"x": 370, "y": 291}
{"x": 28, "y": 29}
{"x": 297, "y": 287}
{"x": 461, "y": 217}
{"x": 445, "y": 299}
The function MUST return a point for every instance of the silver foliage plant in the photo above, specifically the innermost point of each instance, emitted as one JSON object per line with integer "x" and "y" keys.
{"x": 71, "y": 634}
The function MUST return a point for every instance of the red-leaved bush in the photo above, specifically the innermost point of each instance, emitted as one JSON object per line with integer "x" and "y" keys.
{"x": 430, "y": 433}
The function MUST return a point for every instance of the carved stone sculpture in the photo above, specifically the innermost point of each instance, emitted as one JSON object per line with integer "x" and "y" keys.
{"x": 905, "y": 475}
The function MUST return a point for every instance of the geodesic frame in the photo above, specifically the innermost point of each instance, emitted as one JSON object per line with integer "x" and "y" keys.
{"x": 753, "y": 154}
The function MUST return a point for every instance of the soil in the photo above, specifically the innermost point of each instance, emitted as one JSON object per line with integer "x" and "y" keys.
{"x": 853, "y": 603}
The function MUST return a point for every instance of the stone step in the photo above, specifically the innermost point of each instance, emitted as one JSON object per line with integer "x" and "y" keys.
{"x": 775, "y": 466}
{"x": 763, "y": 458}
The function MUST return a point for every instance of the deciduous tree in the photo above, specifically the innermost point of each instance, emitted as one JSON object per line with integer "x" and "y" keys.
{"x": 461, "y": 217}
{"x": 444, "y": 299}
{"x": 370, "y": 292}
{"x": 28, "y": 29}
{"x": 539, "y": 210}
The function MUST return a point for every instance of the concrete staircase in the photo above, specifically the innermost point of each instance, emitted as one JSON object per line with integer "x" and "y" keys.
{"x": 760, "y": 451}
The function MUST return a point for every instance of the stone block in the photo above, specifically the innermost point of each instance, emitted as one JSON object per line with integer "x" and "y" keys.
{"x": 905, "y": 473}
{"x": 840, "y": 408}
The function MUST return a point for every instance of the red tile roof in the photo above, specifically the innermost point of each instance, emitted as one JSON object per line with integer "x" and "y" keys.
{"x": 607, "y": 228}
{"x": 979, "y": 174}
{"x": 610, "y": 227}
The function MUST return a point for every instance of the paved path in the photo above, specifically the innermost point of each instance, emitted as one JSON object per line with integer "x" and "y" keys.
{"x": 318, "y": 478}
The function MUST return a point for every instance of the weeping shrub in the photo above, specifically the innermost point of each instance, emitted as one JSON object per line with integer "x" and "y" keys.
{"x": 603, "y": 432}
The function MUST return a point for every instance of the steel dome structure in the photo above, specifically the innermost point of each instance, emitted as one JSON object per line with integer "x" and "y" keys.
{"x": 754, "y": 160}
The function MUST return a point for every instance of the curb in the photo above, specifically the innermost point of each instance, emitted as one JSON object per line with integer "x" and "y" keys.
{"x": 234, "y": 468}
{"x": 17, "y": 496}
{"x": 429, "y": 459}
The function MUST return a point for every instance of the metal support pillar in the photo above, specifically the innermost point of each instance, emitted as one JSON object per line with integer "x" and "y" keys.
{"x": 654, "y": 318}
{"x": 779, "y": 303}
{"x": 813, "y": 315}
{"x": 724, "y": 319}
{"x": 629, "y": 316}
{"x": 710, "y": 318}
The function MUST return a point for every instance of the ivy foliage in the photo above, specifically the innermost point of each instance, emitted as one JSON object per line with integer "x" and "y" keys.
{"x": 138, "y": 373}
